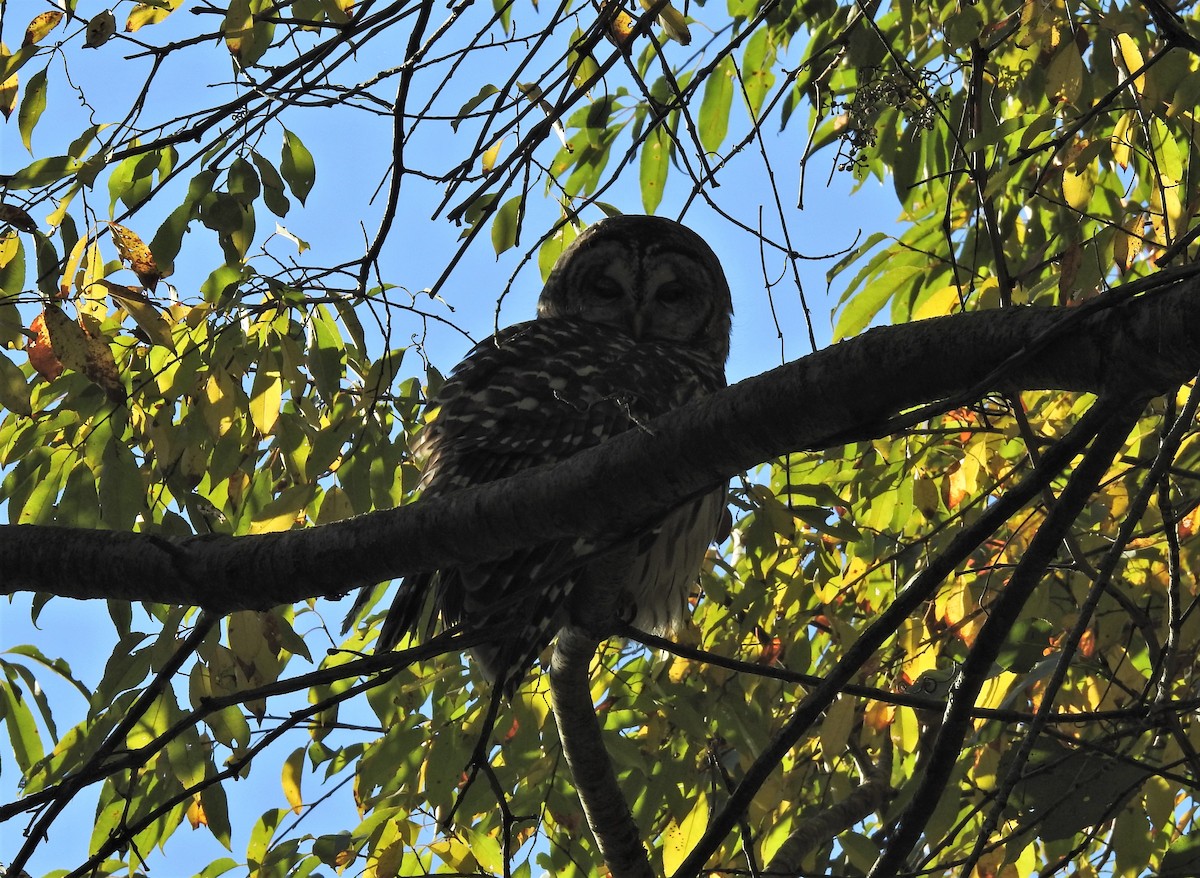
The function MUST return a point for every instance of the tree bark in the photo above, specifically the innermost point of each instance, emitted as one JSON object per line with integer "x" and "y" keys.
{"x": 1116, "y": 343}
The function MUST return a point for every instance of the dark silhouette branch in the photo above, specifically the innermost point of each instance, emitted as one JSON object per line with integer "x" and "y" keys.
{"x": 857, "y": 389}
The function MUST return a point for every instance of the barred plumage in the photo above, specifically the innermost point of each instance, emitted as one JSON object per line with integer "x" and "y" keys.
{"x": 633, "y": 322}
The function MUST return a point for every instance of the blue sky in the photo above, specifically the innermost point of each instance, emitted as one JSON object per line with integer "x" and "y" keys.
{"x": 351, "y": 149}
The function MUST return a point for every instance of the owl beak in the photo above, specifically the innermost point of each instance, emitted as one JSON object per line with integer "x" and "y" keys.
{"x": 637, "y": 324}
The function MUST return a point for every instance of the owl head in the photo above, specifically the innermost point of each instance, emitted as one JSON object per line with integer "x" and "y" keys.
{"x": 649, "y": 276}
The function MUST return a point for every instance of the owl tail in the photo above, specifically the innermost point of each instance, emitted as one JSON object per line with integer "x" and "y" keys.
{"x": 403, "y": 617}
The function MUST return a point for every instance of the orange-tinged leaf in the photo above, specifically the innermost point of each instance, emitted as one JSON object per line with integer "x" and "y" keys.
{"x": 40, "y": 26}
{"x": 41, "y": 353}
{"x": 132, "y": 249}
{"x": 619, "y": 28}
{"x": 195, "y": 813}
{"x": 149, "y": 13}
{"x": 878, "y": 715}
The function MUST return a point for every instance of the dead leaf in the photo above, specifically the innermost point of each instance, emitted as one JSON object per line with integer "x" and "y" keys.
{"x": 100, "y": 29}
{"x": 17, "y": 218}
{"x": 132, "y": 249}
{"x": 40, "y": 26}
{"x": 79, "y": 351}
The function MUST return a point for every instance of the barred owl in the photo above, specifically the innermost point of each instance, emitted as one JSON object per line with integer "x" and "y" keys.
{"x": 633, "y": 321}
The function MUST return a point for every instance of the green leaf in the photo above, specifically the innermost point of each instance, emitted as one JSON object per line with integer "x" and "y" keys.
{"x": 273, "y": 186}
{"x": 325, "y": 353}
{"x": 656, "y": 157}
{"x": 297, "y": 166}
{"x": 260, "y": 837}
{"x": 57, "y": 665}
{"x": 22, "y": 728}
{"x": 14, "y": 389}
{"x": 1182, "y": 858}
{"x": 466, "y": 109}
{"x": 715, "y": 107}
{"x": 10, "y": 64}
{"x": 505, "y": 225}
{"x": 32, "y": 106}
{"x": 757, "y": 65}
{"x": 243, "y": 181}
{"x": 44, "y": 171}
{"x": 554, "y": 246}
{"x": 216, "y": 810}
{"x": 862, "y": 308}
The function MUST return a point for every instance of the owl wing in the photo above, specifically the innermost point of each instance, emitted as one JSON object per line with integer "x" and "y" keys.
{"x": 534, "y": 394}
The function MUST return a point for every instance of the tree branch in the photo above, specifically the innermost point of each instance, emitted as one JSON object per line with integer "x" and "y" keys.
{"x": 1114, "y": 344}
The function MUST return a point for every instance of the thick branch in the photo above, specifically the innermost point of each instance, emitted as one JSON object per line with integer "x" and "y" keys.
{"x": 600, "y": 794}
{"x": 849, "y": 390}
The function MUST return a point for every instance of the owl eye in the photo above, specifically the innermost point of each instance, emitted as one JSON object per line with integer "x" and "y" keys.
{"x": 671, "y": 293}
{"x": 606, "y": 289}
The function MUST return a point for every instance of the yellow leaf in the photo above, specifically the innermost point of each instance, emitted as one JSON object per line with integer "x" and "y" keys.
{"x": 195, "y": 813}
{"x": 995, "y": 689}
{"x": 1078, "y": 184}
{"x": 836, "y": 728}
{"x": 1127, "y": 242}
{"x": 680, "y": 838}
{"x": 40, "y": 26}
{"x": 338, "y": 11}
{"x": 266, "y": 396}
{"x": 1130, "y": 56}
{"x": 938, "y": 303}
{"x": 150, "y": 13}
{"x": 619, "y": 28}
{"x": 10, "y": 86}
{"x": 673, "y": 22}
{"x": 1064, "y": 76}
{"x": 293, "y": 771}
{"x": 219, "y": 411}
{"x": 72, "y": 266}
{"x": 1122, "y": 138}
{"x": 489, "y": 158}
{"x": 455, "y": 853}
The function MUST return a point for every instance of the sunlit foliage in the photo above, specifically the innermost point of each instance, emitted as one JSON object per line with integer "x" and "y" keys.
{"x": 174, "y": 359}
